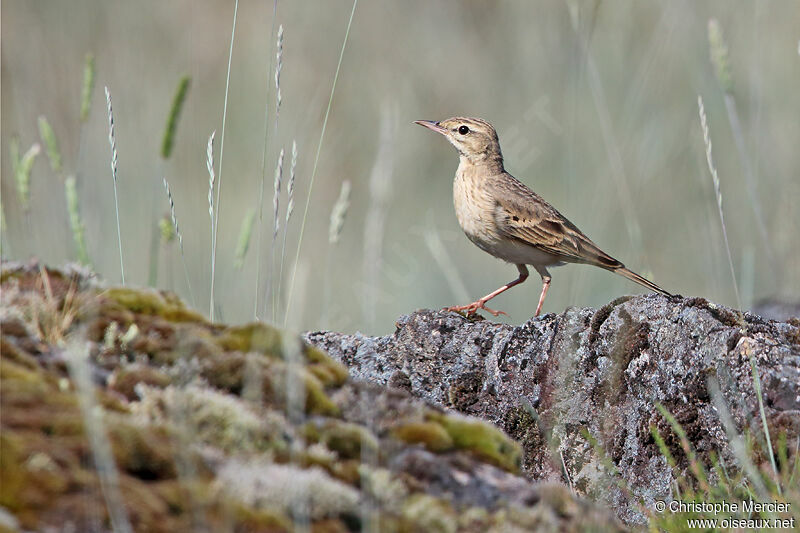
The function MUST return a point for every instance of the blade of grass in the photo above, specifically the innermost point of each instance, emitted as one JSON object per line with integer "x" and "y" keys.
{"x": 221, "y": 154}
{"x": 211, "y": 182}
{"x": 88, "y": 86}
{"x": 719, "y": 58}
{"x": 22, "y": 175}
{"x": 113, "y": 143}
{"x": 51, "y": 144}
{"x": 75, "y": 222}
{"x": 715, "y": 179}
{"x": 289, "y": 210}
{"x": 72, "y": 183}
{"x": 338, "y": 216}
{"x": 13, "y": 152}
{"x": 166, "y": 230}
{"x": 244, "y": 238}
{"x": 278, "y": 67}
{"x": 316, "y": 161}
{"x": 178, "y": 100}
{"x": 757, "y": 386}
{"x": 87, "y": 91}
{"x": 275, "y": 227}
{"x": 339, "y": 213}
{"x": 174, "y": 219}
{"x": 264, "y": 164}
{"x": 165, "y": 150}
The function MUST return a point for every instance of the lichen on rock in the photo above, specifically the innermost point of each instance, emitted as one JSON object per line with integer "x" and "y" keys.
{"x": 211, "y": 426}
{"x": 556, "y": 379}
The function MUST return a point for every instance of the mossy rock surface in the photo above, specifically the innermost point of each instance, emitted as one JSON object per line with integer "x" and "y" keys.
{"x": 579, "y": 389}
{"x": 201, "y": 424}
{"x": 149, "y": 302}
{"x": 430, "y": 434}
{"x": 483, "y": 439}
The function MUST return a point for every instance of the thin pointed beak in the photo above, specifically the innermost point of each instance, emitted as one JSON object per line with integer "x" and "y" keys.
{"x": 431, "y": 125}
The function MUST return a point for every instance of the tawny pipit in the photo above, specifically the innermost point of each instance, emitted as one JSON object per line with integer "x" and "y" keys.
{"x": 503, "y": 217}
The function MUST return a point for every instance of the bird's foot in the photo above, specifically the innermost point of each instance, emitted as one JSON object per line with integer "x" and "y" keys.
{"x": 471, "y": 309}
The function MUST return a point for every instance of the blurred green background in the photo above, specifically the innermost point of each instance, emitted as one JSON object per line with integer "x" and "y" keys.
{"x": 595, "y": 104}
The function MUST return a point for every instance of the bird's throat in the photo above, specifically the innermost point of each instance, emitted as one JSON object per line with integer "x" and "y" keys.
{"x": 480, "y": 165}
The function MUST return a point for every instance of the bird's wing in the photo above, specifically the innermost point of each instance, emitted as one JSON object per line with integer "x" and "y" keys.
{"x": 523, "y": 215}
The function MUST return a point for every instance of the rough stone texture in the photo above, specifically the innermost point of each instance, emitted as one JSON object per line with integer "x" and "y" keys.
{"x": 210, "y": 427}
{"x": 603, "y": 370}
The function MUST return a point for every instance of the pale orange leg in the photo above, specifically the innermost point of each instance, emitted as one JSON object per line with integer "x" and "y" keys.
{"x": 472, "y": 308}
{"x": 545, "y": 285}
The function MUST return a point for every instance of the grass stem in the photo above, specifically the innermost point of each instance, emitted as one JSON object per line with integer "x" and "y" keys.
{"x": 211, "y": 182}
{"x": 174, "y": 219}
{"x": 289, "y": 210}
{"x": 264, "y": 164}
{"x": 715, "y": 178}
{"x": 757, "y": 386}
{"x": 75, "y": 221}
{"x": 221, "y": 154}
{"x": 275, "y": 228}
{"x": 316, "y": 161}
{"x": 113, "y": 143}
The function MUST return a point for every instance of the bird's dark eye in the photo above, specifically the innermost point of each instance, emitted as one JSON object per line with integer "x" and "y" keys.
{"x": 463, "y": 130}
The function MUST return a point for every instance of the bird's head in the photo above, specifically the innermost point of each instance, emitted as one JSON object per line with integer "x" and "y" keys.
{"x": 475, "y": 139}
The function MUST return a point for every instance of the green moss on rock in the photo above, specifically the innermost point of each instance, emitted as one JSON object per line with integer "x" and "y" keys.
{"x": 252, "y": 337}
{"x": 317, "y": 400}
{"x": 13, "y": 476}
{"x": 198, "y": 431}
{"x": 227, "y": 372}
{"x": 431, "y": 514}
{"x": 143, "y": 452}
{"x": 26, "y": 381}
{"x": 328, "y": 371}
{"x": 481, "y": 438}
{"x": 348, "y": 440}
{"x": 206, "y": 416}
{"x": 253, "y": 519}
{"x": 125, "y": 379}
{"x": 432, "y": 435}
{"x": 151, "y": 302}
{"x": 12, "y": 353}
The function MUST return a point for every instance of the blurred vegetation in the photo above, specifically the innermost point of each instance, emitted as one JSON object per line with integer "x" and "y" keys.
{"x": 595, "y": 104}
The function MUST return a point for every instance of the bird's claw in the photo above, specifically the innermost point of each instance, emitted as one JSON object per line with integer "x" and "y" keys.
{"x": 472, "y": 309}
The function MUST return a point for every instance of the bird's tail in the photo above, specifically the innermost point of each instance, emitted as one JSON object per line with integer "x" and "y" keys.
{"x": 633, "y": 276}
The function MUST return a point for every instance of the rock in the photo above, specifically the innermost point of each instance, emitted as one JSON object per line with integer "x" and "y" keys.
{"x": 559, "y": 382}
{"x": 777, "y": 309}
{"x": 201, "y": 426}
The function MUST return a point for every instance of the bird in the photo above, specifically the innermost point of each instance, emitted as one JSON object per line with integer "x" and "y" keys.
{"x": 505, "y": 218}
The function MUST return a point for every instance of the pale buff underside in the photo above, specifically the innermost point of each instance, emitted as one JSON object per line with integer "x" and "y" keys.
{"x": 476, "y": 211}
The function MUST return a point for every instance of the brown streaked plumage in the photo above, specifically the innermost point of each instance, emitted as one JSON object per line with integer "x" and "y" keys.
{"x": 505, "y": 218}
